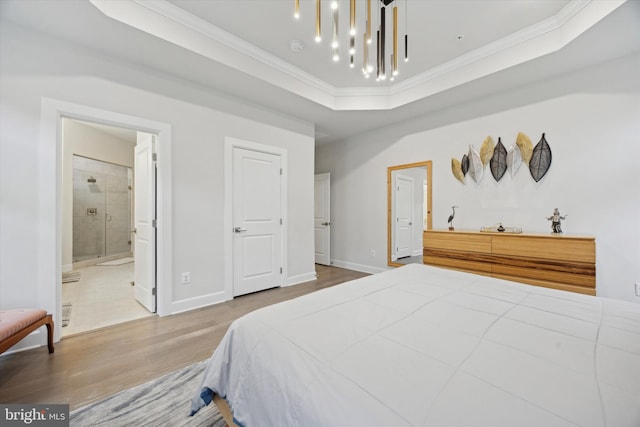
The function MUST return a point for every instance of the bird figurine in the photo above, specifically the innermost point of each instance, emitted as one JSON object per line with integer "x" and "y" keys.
{"x": 453, "y": 215}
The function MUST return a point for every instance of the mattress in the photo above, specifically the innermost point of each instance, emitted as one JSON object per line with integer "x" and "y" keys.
{"x": 424, "y": 346}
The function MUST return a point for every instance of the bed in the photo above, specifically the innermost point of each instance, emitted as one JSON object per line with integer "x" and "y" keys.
{"x": 425, "y": 346}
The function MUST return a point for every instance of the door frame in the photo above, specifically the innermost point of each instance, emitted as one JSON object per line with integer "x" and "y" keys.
{"x": 429, "y": 178}
{"x": 229, "y": 144}
{"x": 50, "y": 199}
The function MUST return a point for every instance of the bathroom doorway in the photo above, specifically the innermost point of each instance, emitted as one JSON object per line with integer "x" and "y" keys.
{"x": 98, "y": 249}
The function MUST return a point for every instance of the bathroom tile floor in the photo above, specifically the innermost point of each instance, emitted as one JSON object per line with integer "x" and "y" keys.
{"x": 103, "y": 297}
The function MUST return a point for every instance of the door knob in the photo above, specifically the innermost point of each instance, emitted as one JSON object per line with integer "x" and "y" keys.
{"x": 326, "y": 223}
{"x": 239, "y": 229}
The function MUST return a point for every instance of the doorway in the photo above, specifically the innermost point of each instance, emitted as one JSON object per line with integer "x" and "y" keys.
{"x": 99, "y": 262}
{"x": 50, "y": 178}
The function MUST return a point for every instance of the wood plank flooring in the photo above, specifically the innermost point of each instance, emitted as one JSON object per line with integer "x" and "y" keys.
{"x": 93, "y": 365}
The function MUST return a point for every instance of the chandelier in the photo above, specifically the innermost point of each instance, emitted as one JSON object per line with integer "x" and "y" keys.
{"x": 372, "y": 18}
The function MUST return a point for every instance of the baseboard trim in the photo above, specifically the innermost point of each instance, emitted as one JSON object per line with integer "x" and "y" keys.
{"x": 34, "y": 340}
{"x": 300, "y": 278}
{"x": 358, "y": 267}
{"x": 188, "y": 304}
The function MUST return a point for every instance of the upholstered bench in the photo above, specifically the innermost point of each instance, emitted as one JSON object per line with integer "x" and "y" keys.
{"x": 18, "y": 323}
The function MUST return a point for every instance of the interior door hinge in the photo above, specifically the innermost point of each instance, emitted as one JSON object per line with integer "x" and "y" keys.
{"x": 154, "y": 223}
{"x": 280, "y": 270}
{"x": 154, "y": 157}
{"x": 153, "y": 291}
{"x": 280, "y": 221}
{"x": 280, "y": 171}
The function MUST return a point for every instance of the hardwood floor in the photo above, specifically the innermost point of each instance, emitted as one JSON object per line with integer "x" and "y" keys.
{"x": 97, "y": 364}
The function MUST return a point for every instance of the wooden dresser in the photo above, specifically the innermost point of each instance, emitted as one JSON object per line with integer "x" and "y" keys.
{"x": 553, "y": 261}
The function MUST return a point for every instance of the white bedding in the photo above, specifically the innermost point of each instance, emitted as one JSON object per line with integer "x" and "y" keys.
{"x": 425, "y": 346}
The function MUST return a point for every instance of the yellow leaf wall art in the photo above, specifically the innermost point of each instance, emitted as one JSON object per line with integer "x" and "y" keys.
{"x": 486, "y": 150}
{"x": 526, "y": 147}
{"x": 456, "y": 169}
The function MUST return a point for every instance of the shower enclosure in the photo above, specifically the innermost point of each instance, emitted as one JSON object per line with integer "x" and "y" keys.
{"x": 101, "y": 209}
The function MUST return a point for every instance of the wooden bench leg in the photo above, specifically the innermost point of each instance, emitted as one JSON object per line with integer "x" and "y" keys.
{"x": 50, "y": 333}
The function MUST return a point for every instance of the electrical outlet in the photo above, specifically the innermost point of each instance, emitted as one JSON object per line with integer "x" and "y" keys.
{"x": 638, "y": 289}
{"x": 185, "y": 278}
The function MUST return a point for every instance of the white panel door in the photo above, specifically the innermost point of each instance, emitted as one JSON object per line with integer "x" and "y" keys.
{"x": 404, "y": 215}
{"x": 322, "y": 218}
{"x": 144, "y": 216}
{"x": 257, "y": 233}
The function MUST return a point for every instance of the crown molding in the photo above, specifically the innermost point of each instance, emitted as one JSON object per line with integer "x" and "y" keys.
{"x": 169, "y": 22}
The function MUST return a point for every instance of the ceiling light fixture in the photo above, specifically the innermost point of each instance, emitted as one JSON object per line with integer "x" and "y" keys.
{"x": 406, "y": 31}
{"x": 318, "y": 26}
{"x": 367, "y": 35}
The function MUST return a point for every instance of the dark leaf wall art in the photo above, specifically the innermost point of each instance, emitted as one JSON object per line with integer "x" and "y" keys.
{"x": 465, "y": 164}
{"x": 498, "y": 162}
{"x": 540, "y": 159}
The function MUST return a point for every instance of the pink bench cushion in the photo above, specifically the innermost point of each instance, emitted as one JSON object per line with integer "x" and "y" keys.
{"x": 12, "y": 321}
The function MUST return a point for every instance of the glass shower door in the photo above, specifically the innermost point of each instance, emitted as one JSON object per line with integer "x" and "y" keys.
{"x": 101, "y": 209}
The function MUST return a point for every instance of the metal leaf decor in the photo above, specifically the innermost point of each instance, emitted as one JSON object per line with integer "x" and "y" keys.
{"x": 476, "y": 168}
{"x": 526, "y": 147}
{"x": 456, "y": 169}
{"x": 540, "y": 159}
{"x": 498, "y": 162}
{"x": 465, "y": 164}
{"x": 514, "y": 159}
{"x": 486, "y": 150}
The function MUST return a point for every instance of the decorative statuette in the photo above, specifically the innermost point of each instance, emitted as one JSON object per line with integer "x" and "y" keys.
{"x": 555, "y": 221}
{"x": 450, "y": 220}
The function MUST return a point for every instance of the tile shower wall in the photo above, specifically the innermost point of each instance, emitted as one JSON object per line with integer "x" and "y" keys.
{"x": 101, "y": 209}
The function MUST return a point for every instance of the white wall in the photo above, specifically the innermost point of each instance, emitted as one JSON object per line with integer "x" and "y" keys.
{"x": 35, "y": 67}
{"x": 593, "y": 129}
{"x": 83, "y": 140}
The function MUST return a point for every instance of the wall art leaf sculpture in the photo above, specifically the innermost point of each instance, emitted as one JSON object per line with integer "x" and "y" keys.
{"x": 476, "y": 168}
{"x": 498, "y": 162}
{"x": 486, "y": 150}
{"x": 456, "y": 168}
{"x": 526, "y": 147}
{"x": 540, "y": 159}
{"x": 465, "y": 164}
{"x": 514, "y": 159}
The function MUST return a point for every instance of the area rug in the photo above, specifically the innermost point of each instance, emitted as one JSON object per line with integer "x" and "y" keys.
{"x": 70, "y": 276}
{"x": 165, "y": 401}
{"x": 66, "y": 313}
{"x": 117, "y": 262}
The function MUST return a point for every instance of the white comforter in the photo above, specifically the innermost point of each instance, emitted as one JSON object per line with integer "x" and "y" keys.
{"x": 425, "y": 346}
